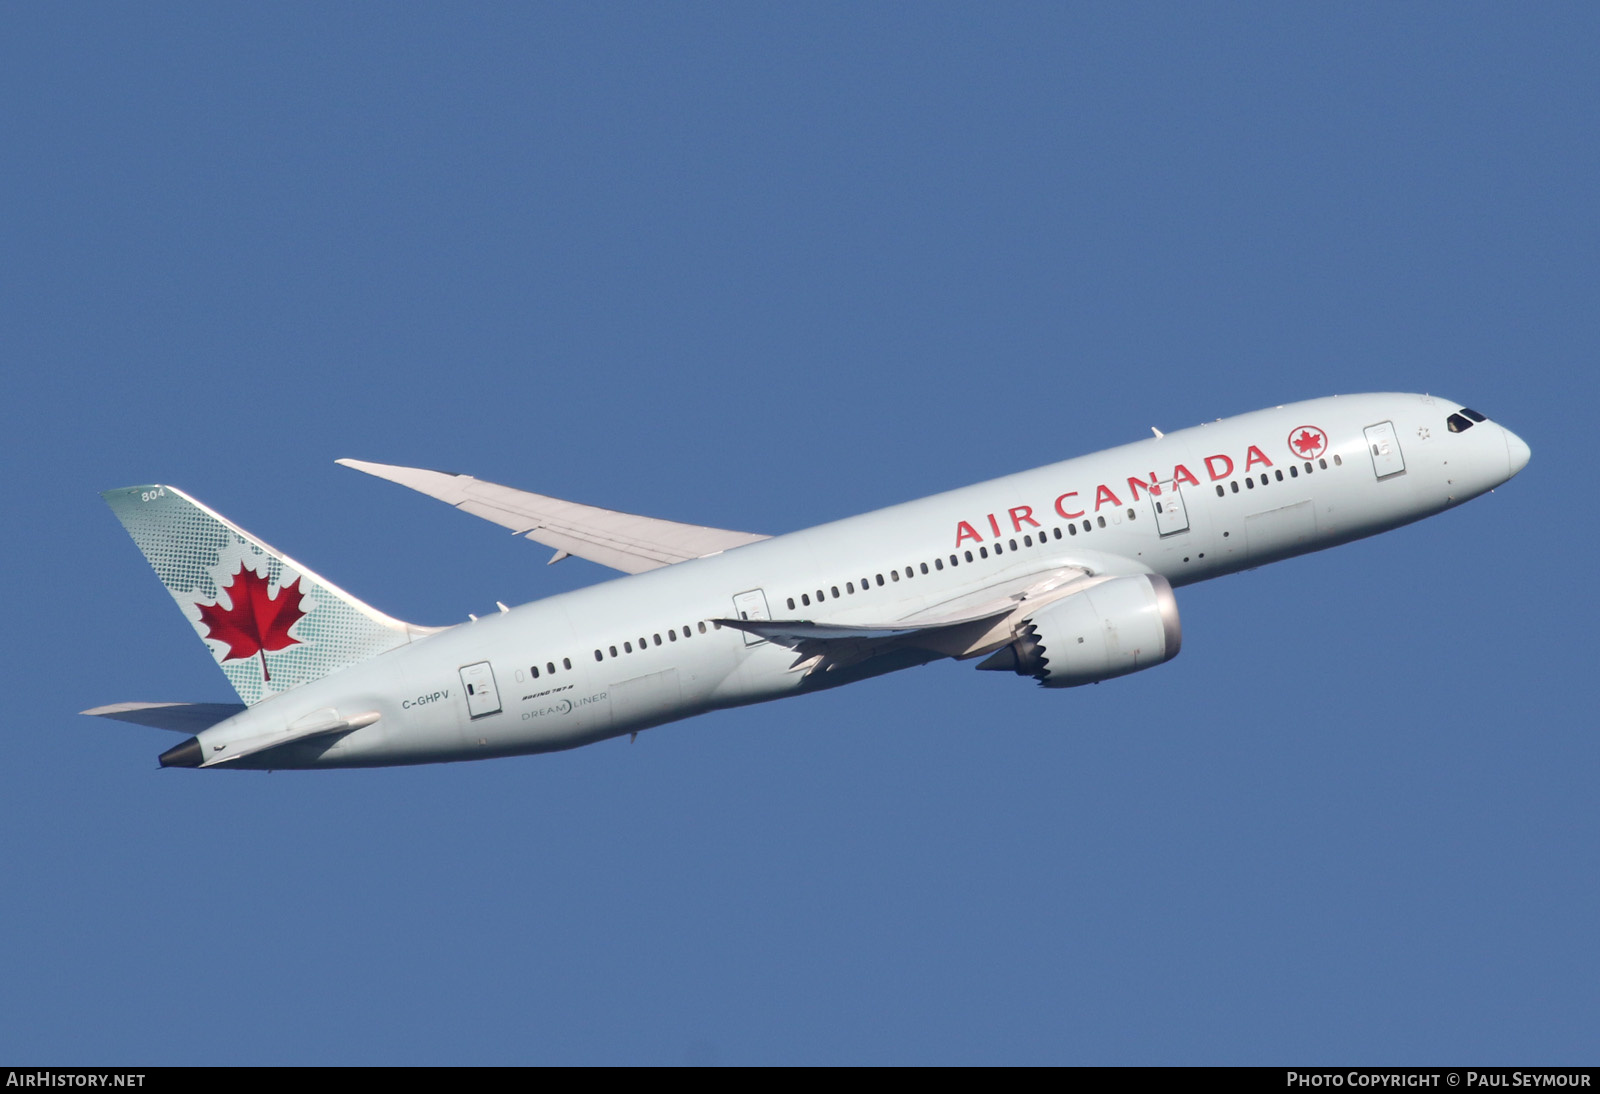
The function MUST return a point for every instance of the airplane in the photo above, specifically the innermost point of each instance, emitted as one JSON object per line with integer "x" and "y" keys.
{"x": 1064, "y": 574}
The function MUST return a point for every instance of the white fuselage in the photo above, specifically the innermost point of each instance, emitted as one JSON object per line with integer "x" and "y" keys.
{"x": 642, "y": 650}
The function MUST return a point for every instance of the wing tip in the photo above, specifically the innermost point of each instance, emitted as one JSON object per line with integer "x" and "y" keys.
{"x": 372, "y": 467}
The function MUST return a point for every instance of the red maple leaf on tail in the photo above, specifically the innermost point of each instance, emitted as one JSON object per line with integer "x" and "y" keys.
{"x": 256, "y": 624}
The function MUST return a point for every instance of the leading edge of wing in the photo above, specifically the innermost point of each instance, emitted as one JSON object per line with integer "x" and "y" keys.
{"x": 622, "y": 541}
{"x": 960, "y": 627}
{"x": 794, "y": 632}
{"x": 188, "y": 718}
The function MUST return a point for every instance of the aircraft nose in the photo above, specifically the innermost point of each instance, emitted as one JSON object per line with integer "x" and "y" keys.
{"x": 1517, "y": 452}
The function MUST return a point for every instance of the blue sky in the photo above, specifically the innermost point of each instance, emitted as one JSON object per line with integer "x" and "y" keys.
{"x": 761, "y": 266}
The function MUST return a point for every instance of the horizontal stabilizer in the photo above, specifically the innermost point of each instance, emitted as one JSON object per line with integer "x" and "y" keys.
{"x": 316, "y": 724}
{"x": 623, "y": 541}
{"x": 188, "y": 718}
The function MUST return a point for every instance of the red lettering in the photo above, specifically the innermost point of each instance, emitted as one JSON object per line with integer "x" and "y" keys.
{"x": 994, "y": 525}
{"x": 1019, "y": 514}
{"x": 1183, "y": 474}
{"x": 1102, "y": 495}
{"x": 1061, "y": 506}
{"x": 1253, "y": 457}
{"x": 1137, "y": 485}
{"x": 1211, "y": 466}
{"x": 966, "y": 531}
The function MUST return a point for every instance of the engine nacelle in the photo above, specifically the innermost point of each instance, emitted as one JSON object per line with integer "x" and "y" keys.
{"x": 1114, "y": 628}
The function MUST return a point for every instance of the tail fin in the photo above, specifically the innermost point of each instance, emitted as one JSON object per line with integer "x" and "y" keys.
{"x": 270, "y": 623}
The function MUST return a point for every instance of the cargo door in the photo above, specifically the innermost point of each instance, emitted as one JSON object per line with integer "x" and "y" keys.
{"x": 645, "y": 700}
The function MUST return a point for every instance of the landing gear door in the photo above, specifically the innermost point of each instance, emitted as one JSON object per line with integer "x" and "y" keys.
{"x": 1171, "y": 515}
{"x": 751, "y": 605}
{"x": 482, "y": 696}
{"x": 1384, "y": 447}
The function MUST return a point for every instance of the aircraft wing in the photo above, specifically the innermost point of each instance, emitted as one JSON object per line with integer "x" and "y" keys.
{"x": 967, "y": 626}
{"x": 622, "y": 541}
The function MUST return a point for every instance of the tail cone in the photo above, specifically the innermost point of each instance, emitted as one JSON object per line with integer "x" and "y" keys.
{"x": 188, "y": 754}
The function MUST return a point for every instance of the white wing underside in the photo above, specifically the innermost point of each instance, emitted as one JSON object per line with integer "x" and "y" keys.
{"x": 623, "y": 541}
{"x": 967, "y": 626}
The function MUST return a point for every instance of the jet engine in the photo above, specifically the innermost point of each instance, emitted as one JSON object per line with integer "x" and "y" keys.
{"x": 1111, "y": 629}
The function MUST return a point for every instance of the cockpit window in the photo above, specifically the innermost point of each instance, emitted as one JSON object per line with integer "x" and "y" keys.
{"x": 1473, "y": 414}
{"x": 1458, "y": 424}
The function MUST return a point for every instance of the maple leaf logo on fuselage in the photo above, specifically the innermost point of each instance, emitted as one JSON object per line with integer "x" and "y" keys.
{"x": 1308, "y": 441}
{"x": 257, "y": 623}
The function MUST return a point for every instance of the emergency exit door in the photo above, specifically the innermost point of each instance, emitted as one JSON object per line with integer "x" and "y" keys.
{"x": 751, "y": 605}
{"x": 1171, "y": 516}
{"x": 1384, "y": 447}
{"x": 482, "y": 696}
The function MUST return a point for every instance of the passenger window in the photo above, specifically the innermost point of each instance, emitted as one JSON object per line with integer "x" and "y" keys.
{"x": 1013, "y": 545}
{"x": 1338, "y": 460}
{"x": 1234, "y": 486}
{"x": 1308, "y": 467}
{"x": 805, "y": 598}
{"x": 791, "y": 603}
{"x": 1073, "y": 528}
{"x": 1249, "y": 484}
{"x": 1220, "y": 491}
{"x": 894, "y": 575}
{"x": 1101, "y": 521}
{"x": 703, "y": 626}
{"x": 551, "y": 666}
{"x": 999, "y": 548}
{"x": 1087, "y": 527}
{"x": 924, "y": 566}
{"x": 627, "y": 647}
{"x": 672, "y": 635}
{"x": 613, "y": 651}
{"x": 1058, "y": 533}
{"x": 969, "y": 556}
{"x": 566, "y": 662}
{"x": 820, "y": 597}
{"x": 835, "y": 590}
{"x": 938, "y": 564}
{"x": 1294, "y": 473}
{"x": 910, "y": 572}
{"x": 1279, "y": 474}
{"x": 880, "y": 580}
{"x": 656, "y": 638}
{"x": 597, "y": 656}
{"x": 1132, "y": 515}
{"x": 535, "y": 671}
{"x": 983, "y": 552}
{"x": 1323, "y": 463}
{"x": 850, "y": 587}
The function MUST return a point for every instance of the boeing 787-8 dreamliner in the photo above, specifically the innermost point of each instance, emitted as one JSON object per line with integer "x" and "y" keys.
{"x": 1064, "y": 574}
